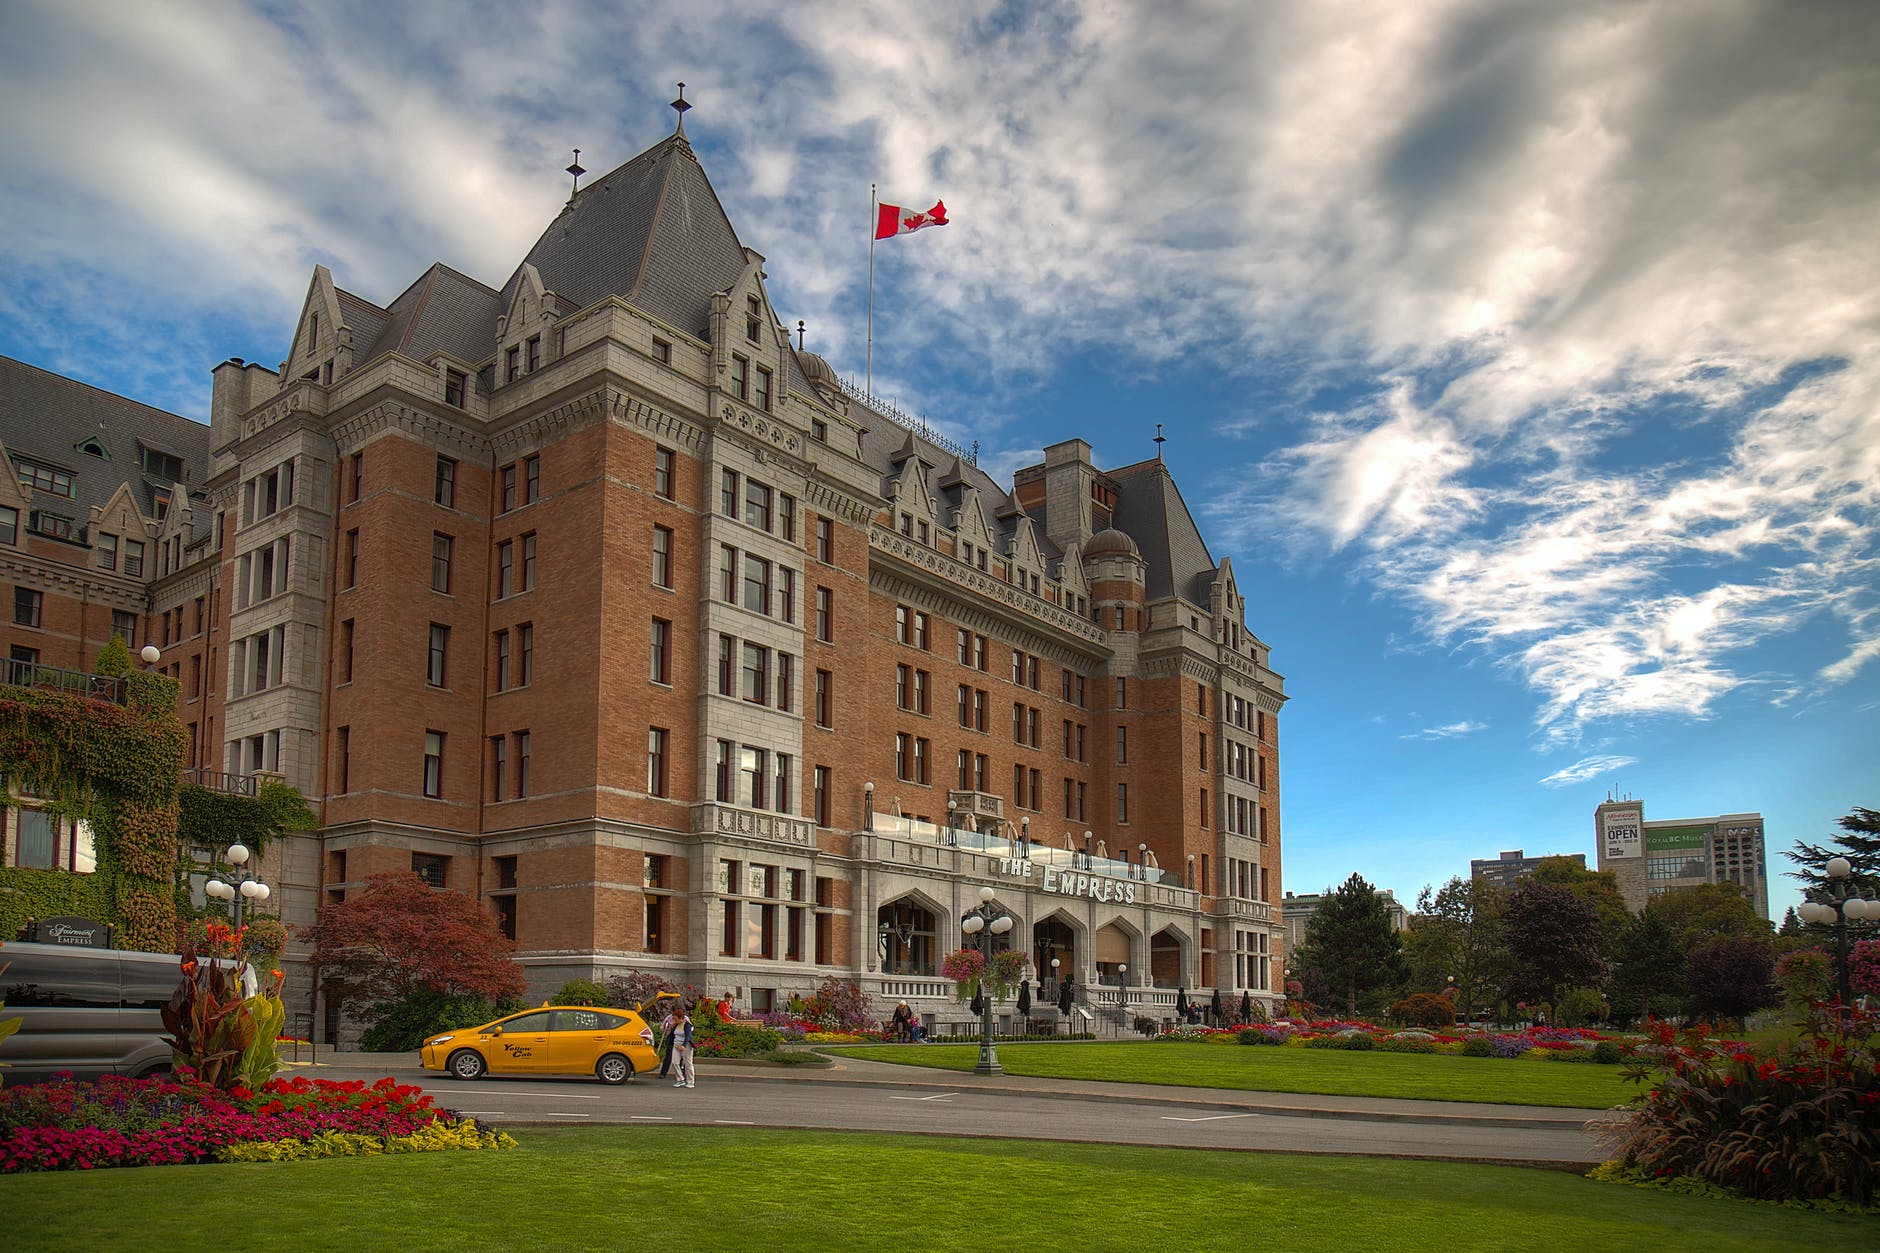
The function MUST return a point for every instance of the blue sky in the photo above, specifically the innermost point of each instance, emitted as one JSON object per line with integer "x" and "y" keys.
{"x": 1523, "y": 357}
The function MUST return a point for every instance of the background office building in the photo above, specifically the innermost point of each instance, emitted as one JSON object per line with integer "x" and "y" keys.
{"x": 1652, "y": 857}
{"x": 1511, "y": 867}
{"x": 594, "y": 596}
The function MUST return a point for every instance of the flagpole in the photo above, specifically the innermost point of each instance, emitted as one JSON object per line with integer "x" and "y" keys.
{"x": 868, "y": 377}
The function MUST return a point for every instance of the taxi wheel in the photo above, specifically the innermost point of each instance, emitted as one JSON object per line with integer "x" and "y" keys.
{"x": 613, "y": 1068}
{"x": 465, "y": 1064}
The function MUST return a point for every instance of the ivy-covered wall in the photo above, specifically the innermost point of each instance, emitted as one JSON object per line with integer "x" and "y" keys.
{"x": 119, "y": 768}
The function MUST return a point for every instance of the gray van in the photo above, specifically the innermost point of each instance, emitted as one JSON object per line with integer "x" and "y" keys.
{"x": 92, "y": 1011}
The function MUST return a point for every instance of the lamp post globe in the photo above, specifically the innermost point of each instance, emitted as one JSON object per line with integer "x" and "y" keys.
{"x": 150, "y": 654}
{"x": 1839, "y": 904}
{"x": 240, "y": 886}
{"x": 980, "y": 926}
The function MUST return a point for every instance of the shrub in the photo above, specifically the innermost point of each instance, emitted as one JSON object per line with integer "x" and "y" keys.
{"x": 636, "y": 988}
{"x": 402, "y": 1025}
{"x": 581, "y": 992}
{"x": 1358, "y": 1042}
{"x": 1610, "y": 1052}
{"x": 735, "y": 1040}
{"x": 1425, "y": 1009}
{"x": 1398, "y": 1045}
{"x": 839, "y": 1005}
{"x": 1795, "y": 1124}
{"x": 1478, "y": 1046}
{"x": 1579, "y": 1006}
{"x": 1269, "y": 1034}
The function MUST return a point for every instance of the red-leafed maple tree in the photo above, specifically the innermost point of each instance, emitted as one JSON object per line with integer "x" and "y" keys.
{"x": 398, "y": 936}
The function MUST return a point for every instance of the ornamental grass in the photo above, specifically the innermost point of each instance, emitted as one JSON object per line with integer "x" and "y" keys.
{"x": 70, "y": 1124}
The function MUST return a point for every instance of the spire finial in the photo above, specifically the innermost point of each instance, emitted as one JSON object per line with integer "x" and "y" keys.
{"x": 679, "y": 106}
{"x": 577, "y": 171}
{"x": 1159, "y": 441}
{"x": 799, "y": 334}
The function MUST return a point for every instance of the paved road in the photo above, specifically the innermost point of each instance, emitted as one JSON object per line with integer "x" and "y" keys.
{"x": 873, "y": 1096}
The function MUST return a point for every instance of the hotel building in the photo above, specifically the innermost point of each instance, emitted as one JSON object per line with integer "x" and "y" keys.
{"x": 593, "y": 596}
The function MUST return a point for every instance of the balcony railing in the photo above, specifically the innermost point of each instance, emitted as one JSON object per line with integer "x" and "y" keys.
{"x": 71, "y": 682}
{"x": 1027, "y": 850}
{"x": 221, "y": 781}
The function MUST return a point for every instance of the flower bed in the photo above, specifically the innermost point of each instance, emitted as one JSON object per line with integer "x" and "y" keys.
{"x": 1563, "y": 1044}
{"x": 73, "y": 1125}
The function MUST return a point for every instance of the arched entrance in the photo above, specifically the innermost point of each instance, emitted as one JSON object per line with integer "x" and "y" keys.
{"x": 1165, "y": 960}
{"x": 1053, "y": 940}
{"x": 905, "y": 936}
{"x": 1113, "y": 945}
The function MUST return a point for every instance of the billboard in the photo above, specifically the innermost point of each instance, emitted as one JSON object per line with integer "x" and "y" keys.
{"x": 1659, "y": 838}
{"x": 1619, "y": 834}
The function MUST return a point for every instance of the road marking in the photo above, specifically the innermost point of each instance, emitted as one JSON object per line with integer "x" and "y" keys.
{"x": 938, "y": 1096}
{"x": 732, "y": 1122}
{"x": 562, "y": 1096}
{"x": 650, "y": 1118}
{"x": 1209, "y": 1118}
{"x": 552, "y": 1114}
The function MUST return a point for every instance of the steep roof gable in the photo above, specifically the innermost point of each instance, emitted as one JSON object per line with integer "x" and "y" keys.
{"x": 1151, "y": 511}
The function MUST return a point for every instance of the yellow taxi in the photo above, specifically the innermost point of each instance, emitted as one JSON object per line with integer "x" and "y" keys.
{"x": 610, "y": 1044}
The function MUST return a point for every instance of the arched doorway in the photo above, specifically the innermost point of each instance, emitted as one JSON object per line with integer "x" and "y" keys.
{"x": 1053, "y": 940}
{"x": 1165, "y": 960}
{"x": 1113, "y": 954}
{"x": 905, "y": 934}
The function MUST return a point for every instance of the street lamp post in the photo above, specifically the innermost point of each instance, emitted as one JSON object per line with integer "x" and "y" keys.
{"x": 240, "y": 885}
{"x": 1840, "y": 906}
{"x": 980, "y": 925}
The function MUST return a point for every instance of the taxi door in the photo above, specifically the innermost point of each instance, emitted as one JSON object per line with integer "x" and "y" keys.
{"x": 522, "y": 1048}
{"x": 580, "y": 1037}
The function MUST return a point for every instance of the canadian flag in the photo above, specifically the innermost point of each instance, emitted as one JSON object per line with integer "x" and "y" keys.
{"x": 892, "y": 219}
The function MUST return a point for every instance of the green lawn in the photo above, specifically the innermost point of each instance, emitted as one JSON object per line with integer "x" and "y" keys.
{"x": 719, "y": 1188}
{"x": 1257, "y": 1068}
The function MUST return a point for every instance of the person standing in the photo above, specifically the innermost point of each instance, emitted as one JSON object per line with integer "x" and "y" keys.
{"x": 665, "y": 1044}
{"x": 902, "y": 1017}
{"x": 682, "y": 1049}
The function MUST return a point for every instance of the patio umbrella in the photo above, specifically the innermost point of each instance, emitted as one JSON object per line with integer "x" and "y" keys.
{"x": 1066, "y": 994}
{"x": 1246, "y": 1008}
{"x": 1214, "y": 1008}
{"x": 1024, "y": 997}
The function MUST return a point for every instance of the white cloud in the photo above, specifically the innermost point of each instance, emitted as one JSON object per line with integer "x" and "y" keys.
{"x": 1586, "y": 768}
{"x": 1452, "y": 731}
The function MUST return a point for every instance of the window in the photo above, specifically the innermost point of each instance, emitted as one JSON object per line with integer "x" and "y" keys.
{"x": 740, "y": 376}
{"x": 920, "y": 630}
{"x": 1122, "y": 693}
{"x": 430, "y": 867}
{"x": 1122, "y": 746}
{"x": 352, "y": 558}
{"x": 728, "y": 493}
{"x": 824, "y": 682}
{"x": 10, "y": 526}
{"x": 786, "y": 593}
{"x": 441, "y": 545}
{"x": 505, "y": 568}
{"x": 786, "y": 681}
{"x": 727, "y": 651}
{"x": 434, "y": 764}
{"x": 534, "y": 347}
{"x": 107, "y": 547}
{"x": 124, "y": 625}
{"x": 346, "y": 651}
{"x": 763, "y": 389}
{"x": 662, "y": 472}
{"x": 434, "y": 666}
{"x": 446, "y": 486}
{"x": 525, "y": 655}
{"x": 786, "y": 516}
{"x": 356, "y": 473}
{"x": 508, "y": 488}
{"x": 528, "y": 562}
{"x": 662, "y": 556}
{"x": 821, "y": 784}
{"x": 454, "y": 385}
{"x": 819, "y": 431}
{"x": 662, "y": 352}
{"x": 756, "y": 584}
{"x": 531, "y": 479}
{"x": 656, "y": 761}
{"x": 756, "y": 674}
{"x": 26, "y": 606}
{"x": 512, "y": 364}
{"x": 1204, "y": 751}
{"x": 757, "y": 505}
{"x": 42, "y": 478}
{"x": 661, "y": 668}
{"x": 501, "y": 651}
{"x": 499, "y": 767}
{"x": 1122, "y": 802}
{"x": 825, "y": 541}
{"x": 343, "y": 751}
{"x": 825, "y": 625}
{"x": 134, "y": 558}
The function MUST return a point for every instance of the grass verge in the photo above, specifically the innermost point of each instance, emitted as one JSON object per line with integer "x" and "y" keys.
{"x": 1254, "y": 1068}
{"x": 716, "y": 1188}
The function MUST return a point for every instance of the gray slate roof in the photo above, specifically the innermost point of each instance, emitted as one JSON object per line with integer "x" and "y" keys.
{"x": 46, "y": 417}
{"x": 1151, "y": 511}
{"x": 443, "y": 311}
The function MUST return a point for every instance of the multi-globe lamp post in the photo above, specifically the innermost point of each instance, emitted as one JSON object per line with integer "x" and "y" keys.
{"x": 239, "y": 885}
{"x": 1839, "y": 904}
{"x": 980, "y": 925}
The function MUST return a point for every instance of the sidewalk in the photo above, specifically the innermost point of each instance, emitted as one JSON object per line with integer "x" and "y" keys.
{"x": 857, "y": 1072}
